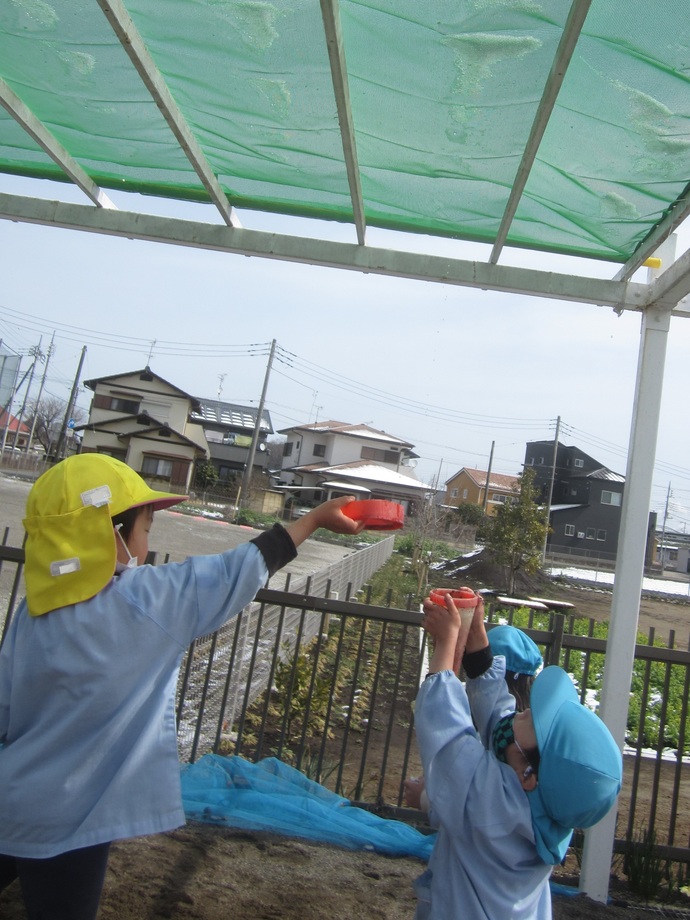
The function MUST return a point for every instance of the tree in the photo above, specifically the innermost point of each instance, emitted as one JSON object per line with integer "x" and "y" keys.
{"x": 47, "y": 417}
{"x": 274, "y": 446}
{"x": 515, "y": 536}
{"x": 206, "y": 475}
{"x": 470, "y": 513}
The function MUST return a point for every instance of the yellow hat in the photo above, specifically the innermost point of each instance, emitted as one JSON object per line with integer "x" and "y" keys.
{"x": 70, "y": 547}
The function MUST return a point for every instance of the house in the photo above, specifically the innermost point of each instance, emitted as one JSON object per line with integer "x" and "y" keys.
{"x": 13, "y": 433}
{"x": 586, "y": 499}
{"x": 468, "y": 486}
{"x": 229, "y": 430}
{"x": 329, "y": 458}
{"x": 145, "y": 421}
{"x": 673, "y": 551}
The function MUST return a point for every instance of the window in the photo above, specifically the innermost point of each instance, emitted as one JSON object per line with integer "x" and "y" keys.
{"x": 113, "y": 452}
{"x": 464, "y": 494}
{"x": 319, "y": 450}
{"x": 530, "y": 461}
{"x": 497, "y": 497}
{"x": 383, "y": 456}
{"x": 116, "y": 404}
{"x": 570, "y": 530}
{"x": 453, "y": 493}
{"x": 601, "y": 535}
{"x": 540, "y": 461}
{"x": 579, "y": 462}
{"x": 287, "y": 449}
{"x": 610, "y": 498}
{"x": 157, "y": 466}
{"x": 591, "y": 533}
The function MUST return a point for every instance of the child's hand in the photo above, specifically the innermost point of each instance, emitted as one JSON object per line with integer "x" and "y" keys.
{"x": 477, "y": 638}
{"x": 442, "y": 623}
{"x": 328, "y": 515}
{"x": 413, "y": 787}
{"x": 465, "y": 600}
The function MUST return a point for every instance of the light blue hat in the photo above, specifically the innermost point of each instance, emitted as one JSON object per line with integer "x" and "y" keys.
{"x": 521, "y": 653}
{"x": 580, "y": 765}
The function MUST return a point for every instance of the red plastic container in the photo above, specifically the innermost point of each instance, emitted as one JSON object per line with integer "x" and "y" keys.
{"x": 376, "y": 514}
{"x": 462, "y": 597}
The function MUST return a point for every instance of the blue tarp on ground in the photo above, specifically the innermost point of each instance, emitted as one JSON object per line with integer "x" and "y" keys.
{"x": 272, "y": 796}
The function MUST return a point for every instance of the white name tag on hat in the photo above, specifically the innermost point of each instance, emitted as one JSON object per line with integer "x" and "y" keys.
{"x": 98, "y": 497}
{"x": 65, "y": 566}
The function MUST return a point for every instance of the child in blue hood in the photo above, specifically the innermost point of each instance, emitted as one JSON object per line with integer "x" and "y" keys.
{"x": 522, "y": 663}
{"x": 507, "y": 789}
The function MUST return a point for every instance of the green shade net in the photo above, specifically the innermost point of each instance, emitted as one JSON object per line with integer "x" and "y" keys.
{"x": 443, "y": 98}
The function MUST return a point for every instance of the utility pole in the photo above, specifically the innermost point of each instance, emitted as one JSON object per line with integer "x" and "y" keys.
{"x": 37, "y": 355}
{"x": 550, "y": 493}
{"x": 663, "y": 530}
{"x": 51, "y": 349}
{"x": 245, "y": 487}
{"x": 488, "y": 478}
{"x": 70, "y": 408}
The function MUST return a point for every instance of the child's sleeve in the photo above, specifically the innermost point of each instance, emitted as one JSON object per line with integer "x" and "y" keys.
{"x": 490, "y": 699}
{"x": 277, "y": 548}
{"x": 196, "y": 597}
{"x": 448, "y": 743}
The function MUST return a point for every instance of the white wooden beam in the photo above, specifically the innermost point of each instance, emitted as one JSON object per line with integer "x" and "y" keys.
{"x": 672, "y": 285}
{"x": 336, "y": 54}
{"x": 627, "y": 589}
{"x": 531, "y": 282}
{"x": 133, "y": 44}
{"x": 566, "y": 47}
{"x": 675, "y": 217}
{"x": 23, "y": 115}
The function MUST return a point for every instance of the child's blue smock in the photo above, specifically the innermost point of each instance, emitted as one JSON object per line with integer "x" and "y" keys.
{"x": 484, "y": 865}
{"x": 87, "y": 701}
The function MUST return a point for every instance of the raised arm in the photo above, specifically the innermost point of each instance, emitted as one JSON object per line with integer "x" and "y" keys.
{"x": 328, "y": 515}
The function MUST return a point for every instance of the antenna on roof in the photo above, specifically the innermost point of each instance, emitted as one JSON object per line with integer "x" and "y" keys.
{"x": 221, "y": 378}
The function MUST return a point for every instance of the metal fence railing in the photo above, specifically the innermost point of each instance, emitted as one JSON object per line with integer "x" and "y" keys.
{"x": 317, "y": 676}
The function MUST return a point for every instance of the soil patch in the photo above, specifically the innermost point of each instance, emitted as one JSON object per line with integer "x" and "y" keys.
{"x": 208, "y": 873}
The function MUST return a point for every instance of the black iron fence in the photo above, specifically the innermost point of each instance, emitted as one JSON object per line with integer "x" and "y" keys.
{"x": 327, "y": 684}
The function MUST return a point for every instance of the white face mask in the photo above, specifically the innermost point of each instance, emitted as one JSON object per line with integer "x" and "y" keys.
{"x": 132, "y": 562}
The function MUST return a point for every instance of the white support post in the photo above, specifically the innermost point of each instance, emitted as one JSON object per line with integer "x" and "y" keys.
{"x": 625, "y": 604}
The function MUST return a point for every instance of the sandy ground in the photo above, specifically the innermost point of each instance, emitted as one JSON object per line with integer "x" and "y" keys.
{"x": 210, "y": 873}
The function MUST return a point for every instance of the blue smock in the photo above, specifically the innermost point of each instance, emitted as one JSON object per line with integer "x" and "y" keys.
{"x": 87, "y": 700}
{"x": 485, "y": 864}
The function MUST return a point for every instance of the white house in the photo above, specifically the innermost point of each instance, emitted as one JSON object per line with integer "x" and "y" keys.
{"x": 329, "y": 458}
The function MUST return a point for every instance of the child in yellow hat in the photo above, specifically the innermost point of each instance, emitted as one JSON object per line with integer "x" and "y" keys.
{"x": 88, "y": 672}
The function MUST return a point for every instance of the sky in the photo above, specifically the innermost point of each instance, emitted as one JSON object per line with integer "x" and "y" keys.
{"x": 454, "y": 371}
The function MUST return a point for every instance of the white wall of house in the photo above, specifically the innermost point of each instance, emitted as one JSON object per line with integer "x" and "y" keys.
{"x": 333, "y": 449}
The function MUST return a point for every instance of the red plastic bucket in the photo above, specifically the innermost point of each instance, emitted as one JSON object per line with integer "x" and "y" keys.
{"x": 376, "y": 514}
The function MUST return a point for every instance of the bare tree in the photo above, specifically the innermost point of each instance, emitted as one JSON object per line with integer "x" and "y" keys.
{"x": 49, "y": 415}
